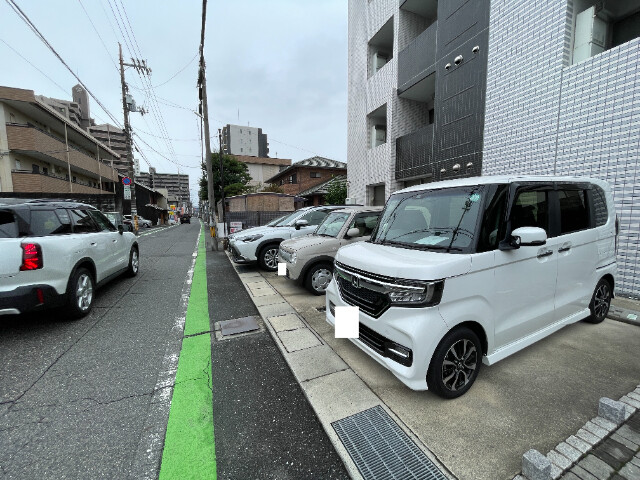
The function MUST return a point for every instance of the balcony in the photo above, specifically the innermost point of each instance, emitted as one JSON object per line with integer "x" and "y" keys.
{"x": 414, "y": 154}
{"x": 30, "y": 141}
{"x": 417, "y": 60}
{"x": 27, "y": 182}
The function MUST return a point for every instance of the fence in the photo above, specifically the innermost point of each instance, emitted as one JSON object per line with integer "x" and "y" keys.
{"x": 252, "y": 219}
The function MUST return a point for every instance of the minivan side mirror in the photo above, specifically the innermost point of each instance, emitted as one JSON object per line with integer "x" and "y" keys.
{"x": 353, "y": 232}
{"x": 301, "y": 223}
{"x": 524, "y": 237}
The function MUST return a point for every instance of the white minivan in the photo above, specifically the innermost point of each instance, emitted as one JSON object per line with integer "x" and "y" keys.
{"x": 473, "y": 270}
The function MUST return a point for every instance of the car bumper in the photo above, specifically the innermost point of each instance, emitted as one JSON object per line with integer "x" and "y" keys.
{"x": 29, "y": 298}
{"x": 243, "y": 252}
{"x": 418, "y": 330}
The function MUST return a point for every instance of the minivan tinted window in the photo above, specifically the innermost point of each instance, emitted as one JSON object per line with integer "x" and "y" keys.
{"x": 46, "y": 222}
{"x": 432, "y": 219}
{"x": 8, "y": 225}
{"x": 531, "y": 209}
{"x": 599, "y": 206}
{"x": 574, "y": 215}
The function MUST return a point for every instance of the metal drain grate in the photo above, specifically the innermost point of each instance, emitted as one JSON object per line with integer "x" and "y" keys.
{"x": 381, "y": 450}
{"x": 238, "y": 325}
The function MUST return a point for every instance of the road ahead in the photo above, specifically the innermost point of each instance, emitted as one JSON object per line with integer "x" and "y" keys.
{"x": 75, "y": 396}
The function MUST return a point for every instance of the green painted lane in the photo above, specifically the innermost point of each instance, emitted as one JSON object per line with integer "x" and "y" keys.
{"x": 189, "y": 447}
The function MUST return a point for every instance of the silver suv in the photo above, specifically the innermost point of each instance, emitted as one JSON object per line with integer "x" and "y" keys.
{"x": 309, "y": 260}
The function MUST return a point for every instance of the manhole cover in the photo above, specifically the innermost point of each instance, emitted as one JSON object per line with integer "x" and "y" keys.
{"x": 381, "y": 450}
{"x": 238, "y": 325}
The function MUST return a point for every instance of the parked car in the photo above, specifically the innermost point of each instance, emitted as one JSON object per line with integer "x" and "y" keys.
{"x": 260, "y": 244}
{"x": 309, "y": 259}
{"x": 473, "y": 270}
{"x": 185, "y": 218}
{"x": 117, "y": 219}
{"x": 142, "y": 222}
{"x": 57, "y": 254}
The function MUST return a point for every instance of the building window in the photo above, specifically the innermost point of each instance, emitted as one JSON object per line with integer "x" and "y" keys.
{"x": 376, "y": 195}
{"x": 603, "y": 26}
{"x": 45, "y": 171}
{"x": 381, "y": 47}
{"x": 74, "y": 179}
{"x": 293, "y": 178}
{"x": 315, "y": 174}
{"x": 377, "y": 122}
{"x": 12, "y": 118}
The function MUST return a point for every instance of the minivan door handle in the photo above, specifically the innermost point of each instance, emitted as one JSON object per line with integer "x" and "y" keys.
{"x": 544, "y": 253}
{"x": 565, "y": 247}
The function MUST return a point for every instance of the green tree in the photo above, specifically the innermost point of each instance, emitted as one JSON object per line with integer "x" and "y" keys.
{"x": 236, "y": 177}
{"x": 336, "y": 192}
{"x": 272, "y": 187}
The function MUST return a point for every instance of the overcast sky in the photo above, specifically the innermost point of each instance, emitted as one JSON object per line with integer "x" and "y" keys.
{"x": 280, "y": 65}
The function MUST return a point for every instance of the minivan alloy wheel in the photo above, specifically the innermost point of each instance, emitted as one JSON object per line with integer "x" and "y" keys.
{"x": 270, "y": 258}
{"x": 84, "y": 292}
{"x": 601, "y": 300}
{"x": 459, "y": 364}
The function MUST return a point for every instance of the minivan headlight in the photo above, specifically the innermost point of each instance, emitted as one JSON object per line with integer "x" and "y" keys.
{"x": 417, "y": 294}
{"x": 293, "y": 258}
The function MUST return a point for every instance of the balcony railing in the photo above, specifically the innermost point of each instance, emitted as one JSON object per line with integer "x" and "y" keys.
{"x": 26, "y": 139}
{"x": 414, "y": 154}
{"x": 415, "y": 60}
{"x": 27, "y": 182}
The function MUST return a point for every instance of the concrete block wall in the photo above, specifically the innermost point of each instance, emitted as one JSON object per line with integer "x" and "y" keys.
{"x": 546, "y": 116}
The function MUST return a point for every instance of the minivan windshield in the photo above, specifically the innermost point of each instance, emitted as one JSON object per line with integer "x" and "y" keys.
{"x": 440, "y": 220}
{"x": 288, "y": 220}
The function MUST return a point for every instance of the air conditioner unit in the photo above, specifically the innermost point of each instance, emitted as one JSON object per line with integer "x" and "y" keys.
{"x": 350, "y": 201}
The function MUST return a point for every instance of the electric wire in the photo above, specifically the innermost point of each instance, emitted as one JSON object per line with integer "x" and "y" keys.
{"x": 100, "y": 37}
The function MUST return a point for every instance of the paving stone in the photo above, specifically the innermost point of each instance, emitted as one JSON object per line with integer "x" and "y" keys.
{"x": 635, "y": 461}
{"x": 596, "y": 430}
{"x": 630, "y": 401}
{"x": 630, "y": 472}
{"x": 627, "y": 432}
{"x": 626, "y": 442}
{"x": 578, "y": 443}
{"x": 611, "y": 410}
{"x": 588, "y": 437}
{"x": 536, "y": 466}
{"x": 617, "y": 477}
{"x": 568, "y": 451}
{"x": 613, "y": 453}
{"x": 559, "y": 459}
{"x": 556, "y": 472}
{"x": 634, "y": 422}
{"x": 290, "y": 321}
{"x": 608, "y": 424}
{"x": 596, "y": 467}
{"x": 582, "y": 473}
{"x": 294, "y": 340}
{"x": 634, "y": 395}
{"x": 570, "y": 476}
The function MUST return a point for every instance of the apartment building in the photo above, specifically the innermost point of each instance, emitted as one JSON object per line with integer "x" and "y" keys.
{"x": 77, "y": 110}
{"x": 441, "y": 90}
{"x": 176, "y": 184}
{"x": 244, "y": 141}
{"x": 262, "y": 168}
{"x": 116, "y": 140}
{"x": 43, "y": 152}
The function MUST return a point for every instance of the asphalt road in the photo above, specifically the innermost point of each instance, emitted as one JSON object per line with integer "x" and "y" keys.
{"x": 74, "y": 396}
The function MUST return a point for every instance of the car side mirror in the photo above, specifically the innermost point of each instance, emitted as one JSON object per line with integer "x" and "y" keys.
{"x": 524, "y": 237}
{"x": 353, "y": 232}
{"x": 301, "y": 223}
{"x": 121, "y": 229}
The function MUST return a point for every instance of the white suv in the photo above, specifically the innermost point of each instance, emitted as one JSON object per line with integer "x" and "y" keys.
{"x": 57, "y": 253}
{"x": 261, "y": 243}
{"x": 470, "y": 271}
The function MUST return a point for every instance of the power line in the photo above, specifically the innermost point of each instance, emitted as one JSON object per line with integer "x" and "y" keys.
{"x": 33, "y": 28}
{"x": 99, "y": 36}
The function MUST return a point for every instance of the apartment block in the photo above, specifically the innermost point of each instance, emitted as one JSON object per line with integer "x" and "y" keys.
{"x": 116, "y": 140}
{"x": 176, "y": 184}
{"x": 43, "y": 152}
{"x": 441, "y": 90}
{"x": 262, "y": 168}
{"x": 244, "y": 141}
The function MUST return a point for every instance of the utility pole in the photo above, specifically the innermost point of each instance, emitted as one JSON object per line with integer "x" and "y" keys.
{"x": 204, "y": 112}
{"x": 127, "y": 107}
{"x": 221, "y": 177}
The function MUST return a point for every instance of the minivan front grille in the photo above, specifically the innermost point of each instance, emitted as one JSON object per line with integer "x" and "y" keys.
{"x": 372, "y": 303}
{"x": 372, "y": 339}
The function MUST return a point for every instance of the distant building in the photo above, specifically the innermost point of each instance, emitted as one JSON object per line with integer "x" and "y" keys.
{"x": 239, "y": 140}
{"x": 44, "y": 152}
{"x": 77, "y": 111}
{"x": 176, "y": 184}
{"x": 308, "y": 173}
{"x": 116, "y": 140}
{"x": 261, "y": 168}
{"x": 316, "y": 195}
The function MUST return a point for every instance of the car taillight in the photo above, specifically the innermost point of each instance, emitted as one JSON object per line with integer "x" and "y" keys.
{"x": 31, "y": 256}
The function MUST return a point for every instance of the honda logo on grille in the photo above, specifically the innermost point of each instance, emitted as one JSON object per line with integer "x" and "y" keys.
{"x": 355, "y": 281}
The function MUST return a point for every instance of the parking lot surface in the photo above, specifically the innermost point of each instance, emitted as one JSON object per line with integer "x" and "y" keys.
{"x": 533, "y": 399}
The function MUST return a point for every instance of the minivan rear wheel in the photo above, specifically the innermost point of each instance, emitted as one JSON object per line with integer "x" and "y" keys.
{"x": 80, "y": 293}
{"x": 455, "y": 363}
{"x": 600, "y": 302}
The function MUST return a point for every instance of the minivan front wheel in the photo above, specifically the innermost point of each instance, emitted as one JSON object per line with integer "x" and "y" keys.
{"x": 455, "y": 363}
{"x": 600, "y": 302}
{"x": 318, "y": 278}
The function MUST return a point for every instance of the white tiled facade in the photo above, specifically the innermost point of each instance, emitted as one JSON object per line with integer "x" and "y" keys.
{"x": 545, "y": 116}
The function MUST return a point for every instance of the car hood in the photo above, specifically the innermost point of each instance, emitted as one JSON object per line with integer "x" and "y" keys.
{"x": 402, "y": 262}
{"x": 252, "y": 231}
{"x": 318, "y": 242}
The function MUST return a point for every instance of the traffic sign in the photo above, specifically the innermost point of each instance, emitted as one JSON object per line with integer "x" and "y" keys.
{"x": 127, "y": 192}
{"x": 126, "y": 181}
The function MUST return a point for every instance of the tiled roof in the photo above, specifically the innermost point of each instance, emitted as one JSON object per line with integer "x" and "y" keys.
{"x": 262, "y": 160}
{"x": 313, "y": 162}
{"x": 321, "y": 188}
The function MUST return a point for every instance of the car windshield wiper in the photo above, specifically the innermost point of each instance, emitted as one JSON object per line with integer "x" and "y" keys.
{"x": 418, "y": 246}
